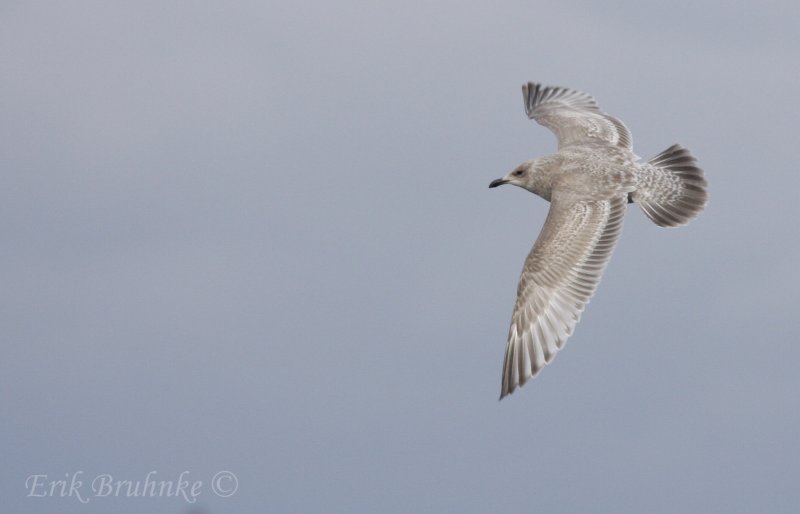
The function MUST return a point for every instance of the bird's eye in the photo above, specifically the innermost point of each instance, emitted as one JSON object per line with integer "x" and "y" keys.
{"x": 518, "y": 173}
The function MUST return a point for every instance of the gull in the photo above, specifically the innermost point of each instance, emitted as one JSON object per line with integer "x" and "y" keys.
{"x": 588, "y": 182}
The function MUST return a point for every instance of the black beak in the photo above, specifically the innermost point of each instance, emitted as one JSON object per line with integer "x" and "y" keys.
{"x": 498, "y": 182}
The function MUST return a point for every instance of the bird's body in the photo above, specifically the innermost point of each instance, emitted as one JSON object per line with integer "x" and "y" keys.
{"x": 588, "y": 182}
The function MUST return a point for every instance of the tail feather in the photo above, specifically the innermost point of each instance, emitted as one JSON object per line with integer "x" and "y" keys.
{"x": 671, "y": 189}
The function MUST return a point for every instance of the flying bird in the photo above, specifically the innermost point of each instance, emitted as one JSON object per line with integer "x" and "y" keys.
{"x": 588, "y": 182}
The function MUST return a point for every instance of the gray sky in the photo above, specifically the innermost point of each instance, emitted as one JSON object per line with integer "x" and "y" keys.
{"x": 257, "y": 237}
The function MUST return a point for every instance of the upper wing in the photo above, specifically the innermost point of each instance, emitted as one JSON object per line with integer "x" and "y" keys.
{"x": 560, "y": 275}
{"x": 573, "y": 116}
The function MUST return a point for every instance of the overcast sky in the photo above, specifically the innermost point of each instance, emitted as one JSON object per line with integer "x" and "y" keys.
{"x": 257, "y": 237}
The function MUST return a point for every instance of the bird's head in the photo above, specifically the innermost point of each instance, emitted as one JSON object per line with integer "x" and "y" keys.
{"x": 524, "y": 176}
{"x": 535, "y": 175}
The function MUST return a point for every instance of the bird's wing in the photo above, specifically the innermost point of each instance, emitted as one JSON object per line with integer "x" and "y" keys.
{"x": 573, "y": 116}
{"x": 560, "y": 275}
